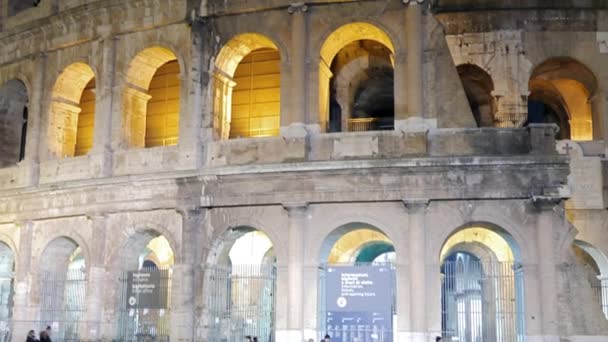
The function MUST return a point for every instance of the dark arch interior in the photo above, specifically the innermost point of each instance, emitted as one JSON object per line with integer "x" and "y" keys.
{"x": 373, "y": 250}
{"x": 13, "y": 122}
{"x": 478, "y": 87}
{"x": 372, "y": 100}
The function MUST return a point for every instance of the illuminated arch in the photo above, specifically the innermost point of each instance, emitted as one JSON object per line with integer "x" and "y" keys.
{"x": 338, "y": 39}
{"x": 247, "y": 87}
{"x": 561, "y": 90}
{"x": 151, "y": 99}
{"x": 72, "y": 116}
{"x": 480, "y": 272}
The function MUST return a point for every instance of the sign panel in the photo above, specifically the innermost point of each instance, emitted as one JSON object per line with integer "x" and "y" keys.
{"x": 147, "y": 289}
{"x": 359, "y": 303}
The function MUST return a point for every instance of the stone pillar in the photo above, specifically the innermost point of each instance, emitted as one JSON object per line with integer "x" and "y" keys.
{"x": 63, "y": 127}
{"x": 135, "y": 105}
{"x": 222, "y": 105}
{"x": 413, "y": 118}
{"x": 297, "y": 217}
{"x": 182, "y": 303}
{"x": 183, "y": 278}
{"x": 94, "y": 300}
{"x": 34, "y": 132}
{"x": 547, "y": 274}
{"x": 25, "y": 312}
{"x": 417, "y": 272}
{"x": 599, "y": 110}
{"x": 511, "y": 110}
{"x": 104, "y": 101}
{"x": 191, "y": 104}
{"x": 293, "y": 124}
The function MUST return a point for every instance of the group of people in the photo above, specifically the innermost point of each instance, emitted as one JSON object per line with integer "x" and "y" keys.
{"x": 45, "y": 336}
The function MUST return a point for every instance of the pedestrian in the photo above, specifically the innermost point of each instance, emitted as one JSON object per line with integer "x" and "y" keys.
{"x": 438, "y": 339}
{"x": 255, "y": 339}
{"x": 31, "y": 336}
{"x": 248, "y": 338}
{"x": 45, "y": 335}
{"x": 326, "y": 338}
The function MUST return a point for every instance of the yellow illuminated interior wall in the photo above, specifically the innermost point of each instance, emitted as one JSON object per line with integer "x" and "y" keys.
{"x": 256, "y": 97}
{"x": 345, "y": 250}
{"x": 161, "y": 252}
{"x": 576, "y": 97}
{"x": 73, "y": 86}
{"x": 493, "y": 241}
{"x": 86, "y": 120}
{"x": 162, "y": 118}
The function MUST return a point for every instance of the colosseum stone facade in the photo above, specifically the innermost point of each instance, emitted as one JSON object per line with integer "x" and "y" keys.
{"x": 204, "y": 170}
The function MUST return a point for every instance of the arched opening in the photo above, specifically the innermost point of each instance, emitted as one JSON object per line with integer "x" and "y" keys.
{"x": 151, "y": 99}
{"x": 72, "y": 112}
{"x": 144, "y": 300}
{"x": 13, "y": 122}
{"x": 357, "y": 284}
{"x": 356, "y": 81}
{"x": 561, "y": 92}
{"x": 482, "y": 286}
{"x": 595, "y": 266}
{"x": 63, "y": 283}
{"x": 240, "y": 286}
{"x": 478, "y": 87}
{"x": 247, "y": 88}
{"x": 7, "y": 290}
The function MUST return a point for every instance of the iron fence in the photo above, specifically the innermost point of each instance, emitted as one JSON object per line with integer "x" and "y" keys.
{"x": 62, "y": 302}
{"x": 137, "y": 321}
{"x": 481, "y": 301}
{"x": 241, "y": 302}
{"x": 600, "y": 290}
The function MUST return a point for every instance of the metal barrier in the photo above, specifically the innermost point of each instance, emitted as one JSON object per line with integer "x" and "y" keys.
{"x": 241, "y": 302}
{"x": 63, "y": 299}
{"x": 139, "y": 322}
{"x": 481, "y": 301}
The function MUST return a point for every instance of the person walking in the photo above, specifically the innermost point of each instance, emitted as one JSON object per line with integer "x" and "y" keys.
{"x": 31, "y": 336}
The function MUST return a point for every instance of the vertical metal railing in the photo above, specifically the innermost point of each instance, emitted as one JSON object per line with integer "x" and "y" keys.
{"x": 241, "y": 302}
{"x": 600, "y": 291}
{"x": 481, "y": 301}
{"x": 63, "y": 303}
{"x": 138, "y": 324}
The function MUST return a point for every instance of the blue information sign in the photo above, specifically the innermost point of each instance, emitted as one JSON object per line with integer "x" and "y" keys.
{"x": 359, "y": 301}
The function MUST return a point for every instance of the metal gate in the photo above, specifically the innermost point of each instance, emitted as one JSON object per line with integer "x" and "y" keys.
{"x": 139, "y": 322}
{"x": 241, "y": 302}
{"x": 6, "y": 305}
{"x": 63, "y": 303}
{"x": 482, "y": 301}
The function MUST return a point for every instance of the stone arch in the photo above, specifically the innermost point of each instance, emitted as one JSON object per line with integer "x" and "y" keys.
{"x": 247, "y": 77}
{"x": 151, "y": 98}
{"x": 562, "y": 91}
{"x": 330, "y": 241}
{"x": 592, "y": 257}
{"x": 480, "y": 271}
{"x": 478, "y": 87}
{"x": 8, "y": 260}
{"x": 236, "y": 293}
{"x": 337, "y": 40}
{"x": 62, "y": 285}
{"x": 128, "y": 255}
{"x": 14, "y": 103}
{"x": 71, "y": 123}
